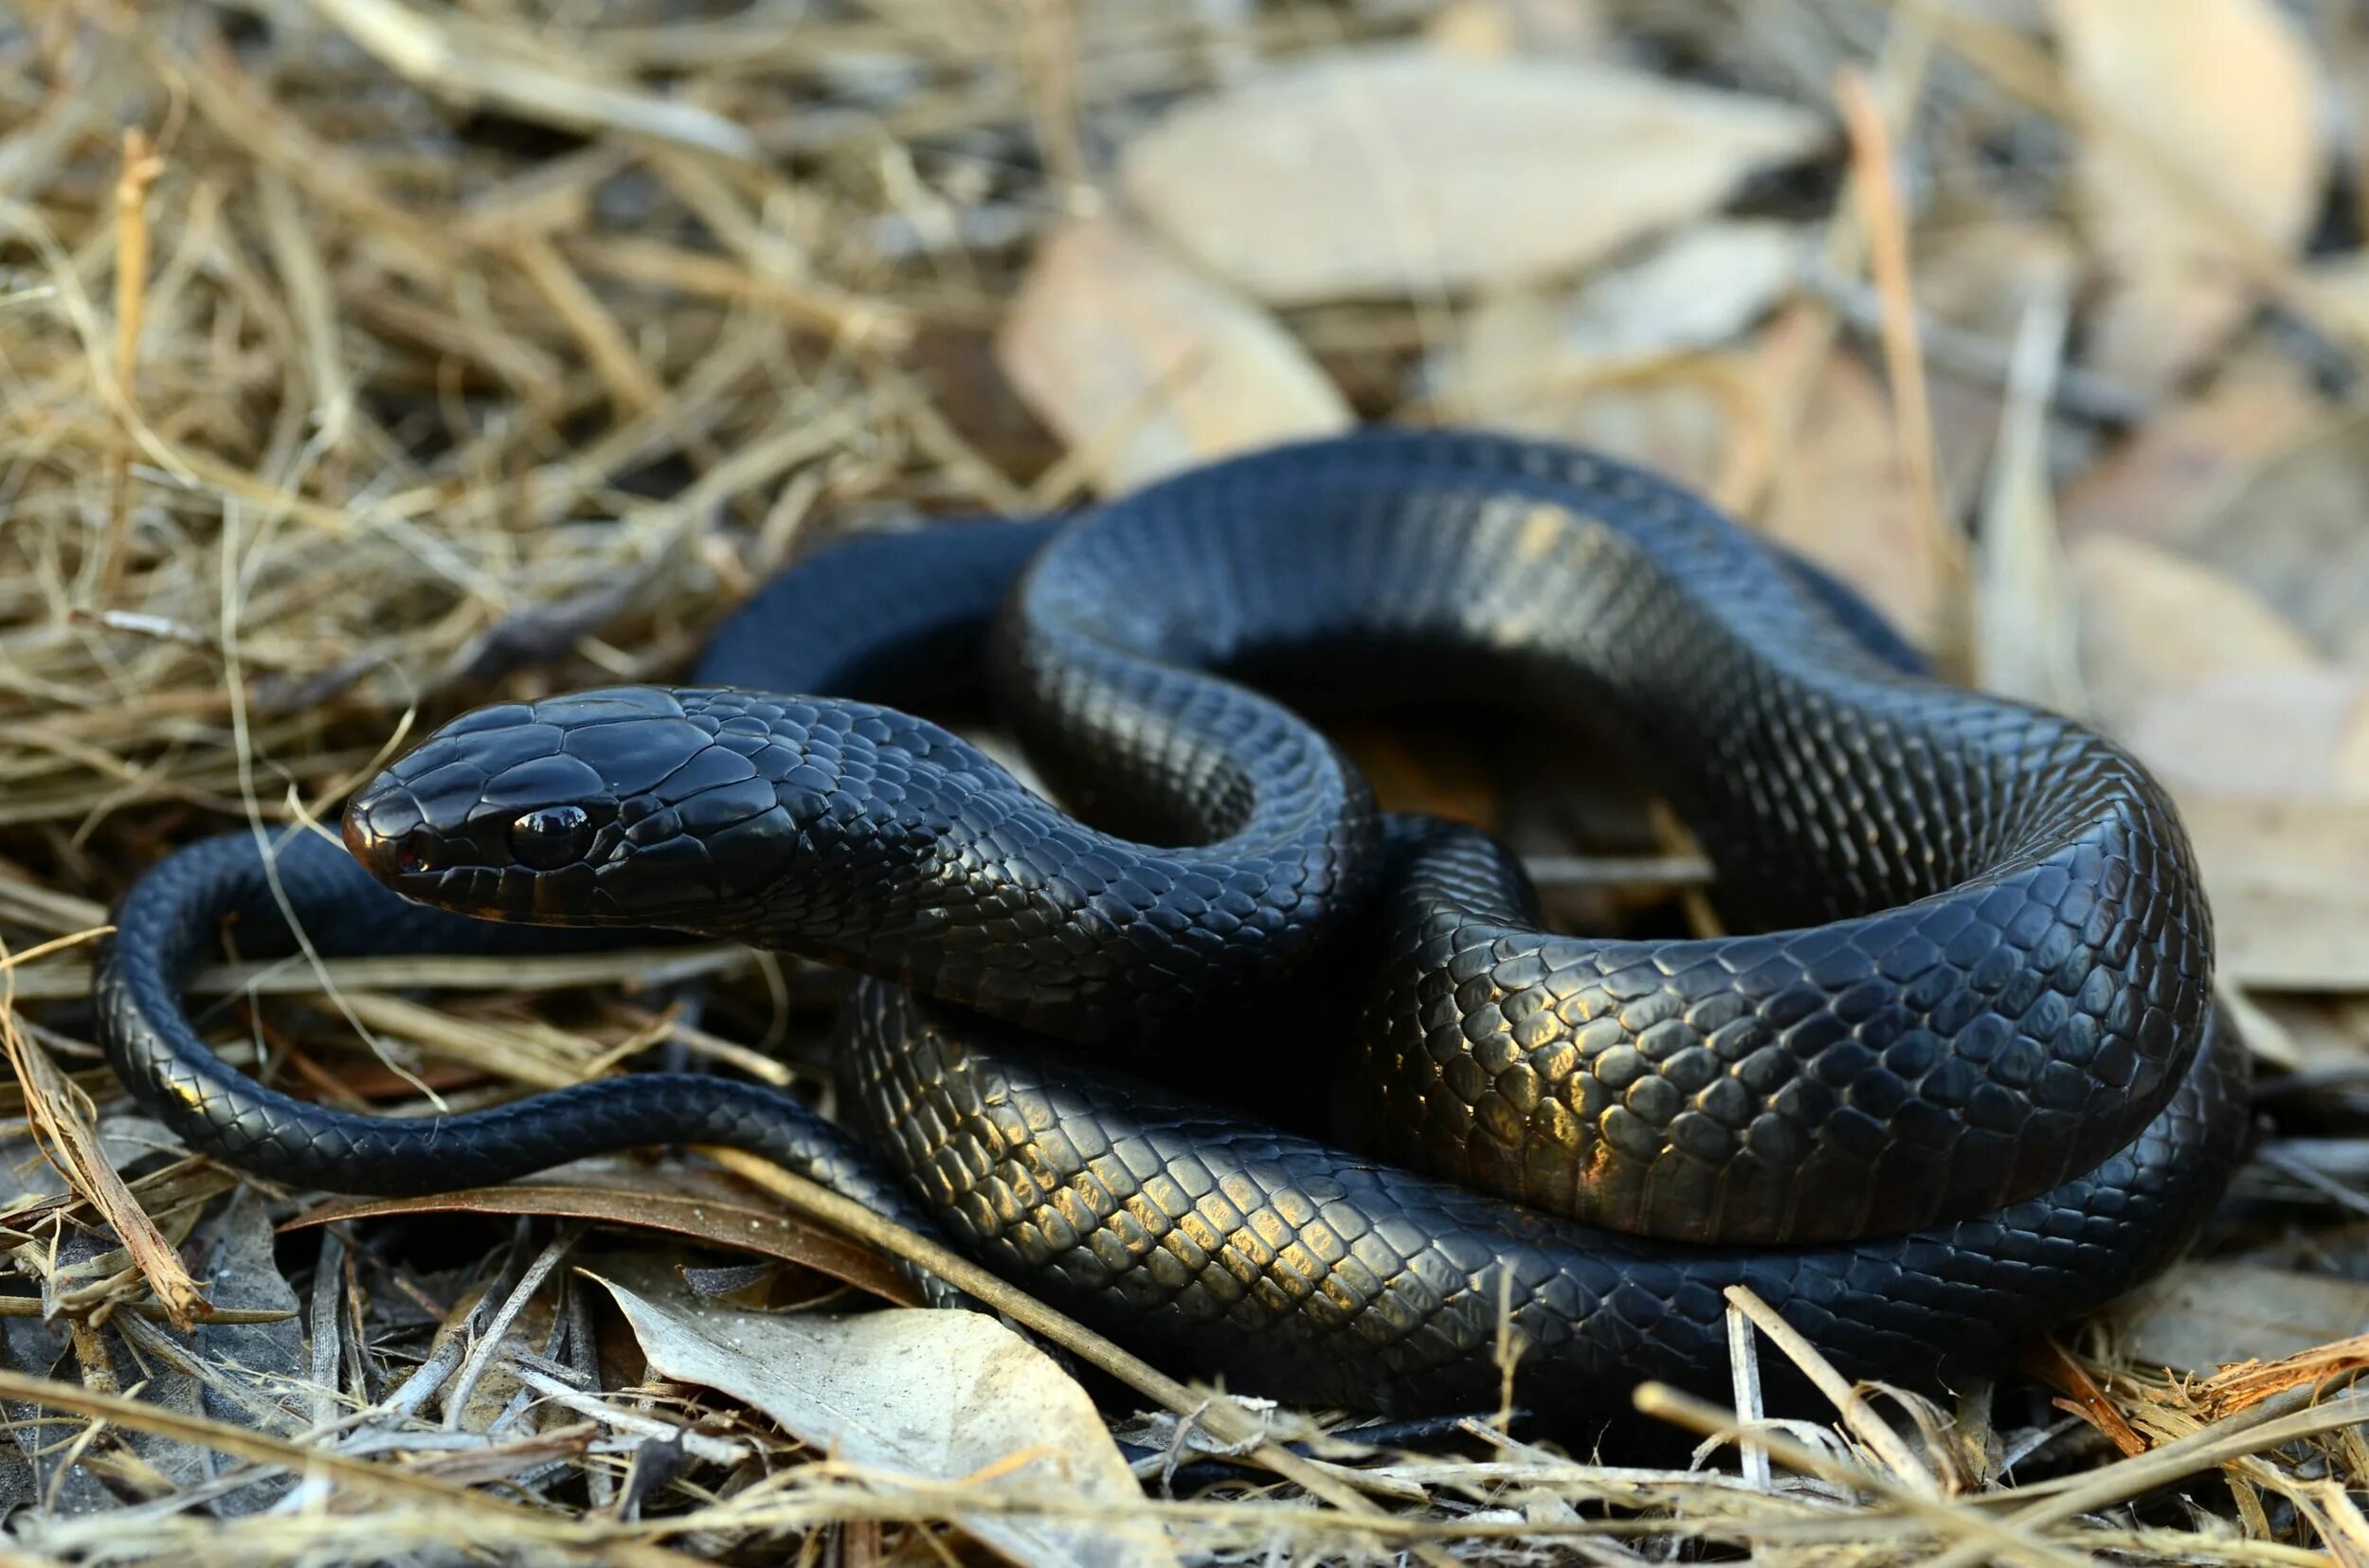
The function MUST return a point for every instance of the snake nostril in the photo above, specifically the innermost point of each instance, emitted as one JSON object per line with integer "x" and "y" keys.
{"x": 412, "y": 853}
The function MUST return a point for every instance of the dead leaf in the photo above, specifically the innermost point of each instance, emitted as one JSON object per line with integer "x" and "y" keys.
{"x": 2292, "y": 531}
{"x": 1629, "y": 362}
{"x": 1391, "y": 170}
{"x": 1841, "y": 498}
{"x": 2155, "y": 625}
{"x": 2203, "y": 117}
{"x": 2201, "y": 1316}
{"x": 2293, "y": 734}
{"x": 2290, "y": 887}
{"x": 2215, "y": 691}
{"x": 1493, "y": 29}
{"x": 1699, "y": 290}
{"x": 2311, "y": 1034}
{"x": 941, "y": 1396}
{"x": 2187, "y": 457}
{"x": 705, "y": 1211}
{"x": 1145, "y": 368}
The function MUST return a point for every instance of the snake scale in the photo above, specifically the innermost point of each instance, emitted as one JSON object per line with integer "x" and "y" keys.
{"x": 1957, "y": 1079}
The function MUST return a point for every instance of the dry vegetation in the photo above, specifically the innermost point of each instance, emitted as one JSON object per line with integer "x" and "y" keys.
{"x": 362, "y": 358}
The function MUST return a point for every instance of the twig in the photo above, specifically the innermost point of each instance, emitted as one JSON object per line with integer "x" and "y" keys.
{"x": 1875, "y": 180}
{"x": 2076, "y": 391}
{"x": 63, "y": 1122}
{"x": 383, "y": 1482}
{"x": 489, "y": 1341}
{"x": 141, "y": 169}
{"x": 1978, "y": 1532}
{"x": 2219, "y": 1443}
{"x": 1839, "y": 1392}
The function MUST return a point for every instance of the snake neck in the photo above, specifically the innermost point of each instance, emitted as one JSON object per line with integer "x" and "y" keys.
{"x": 861, "y": 835}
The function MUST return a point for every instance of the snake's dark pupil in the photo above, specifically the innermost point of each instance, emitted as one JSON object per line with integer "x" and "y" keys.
{"x": 411, "y": 854}
{"x": 550, "y": 836}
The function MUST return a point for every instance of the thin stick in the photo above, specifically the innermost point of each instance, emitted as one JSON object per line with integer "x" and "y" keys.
{"x": 383, "y": 1482}
{"x": 2215, "y": 1446}
{"x": 1980, "y": 1534}
{"x": 497, "y": 1328}
{"x": 1839, "y": 1390}
{"x": 141, "y": 168}
{"x": 65, "y": 1126}
{"x": 1875, "y": 179}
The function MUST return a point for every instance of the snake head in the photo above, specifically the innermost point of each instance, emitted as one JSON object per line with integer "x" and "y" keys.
{"x": 692, "y": 809}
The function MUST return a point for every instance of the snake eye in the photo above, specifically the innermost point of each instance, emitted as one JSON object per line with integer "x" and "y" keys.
{"x": 551, "y": 836}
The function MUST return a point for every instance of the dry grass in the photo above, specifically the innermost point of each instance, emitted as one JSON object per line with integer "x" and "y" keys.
{"x": 361, "y": 359}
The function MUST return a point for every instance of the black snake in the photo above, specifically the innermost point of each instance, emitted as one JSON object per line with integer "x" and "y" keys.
{"x": 1958, "y": 1080}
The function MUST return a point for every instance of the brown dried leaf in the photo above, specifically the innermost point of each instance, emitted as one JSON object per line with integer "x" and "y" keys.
{"x": 2156, "y": 484}
{"x": 1145, "y": 367}
{"x": 1630, "y": 363}
{"x": 704, "y": 1211}
{"x": 2289, "y": 885}
{"x": 1841, "y": 498}
{"x": 2155, "y": 625}
{"x": 1392, "y": 171}
{"x": 2201, "y": 1316}
{"x": 1701, "y": 290}
{"x": 2293, "y": 734}
{"x": 2291, "y": 531}
{"x": 2203, "y": 118}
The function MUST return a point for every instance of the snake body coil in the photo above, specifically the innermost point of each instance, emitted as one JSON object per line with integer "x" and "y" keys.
{"x": 1961, "y": 1081}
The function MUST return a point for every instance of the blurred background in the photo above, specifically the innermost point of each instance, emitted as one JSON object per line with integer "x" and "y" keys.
{"x": 361, "y": 359}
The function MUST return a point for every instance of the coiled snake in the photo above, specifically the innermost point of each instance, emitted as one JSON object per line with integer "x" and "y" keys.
{"x": 1959, "y": 1080}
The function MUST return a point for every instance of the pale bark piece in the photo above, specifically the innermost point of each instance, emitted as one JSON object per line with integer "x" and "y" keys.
{"x": 2289, "y": 883}
{"x": 937, "y": 1396}
{"x": 2202, "y": 120}
{"x": 2155, "y": 625}
{"x": 1145, "y": 367}
{"x": 1399, "y": 172}
{"x": 2202, "y": 1316}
